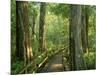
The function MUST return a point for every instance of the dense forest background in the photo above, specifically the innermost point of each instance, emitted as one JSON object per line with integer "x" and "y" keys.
{"x": 39, "y": 31}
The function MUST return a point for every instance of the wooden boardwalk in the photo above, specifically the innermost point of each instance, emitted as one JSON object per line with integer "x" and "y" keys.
{"x": 54, "y": 64}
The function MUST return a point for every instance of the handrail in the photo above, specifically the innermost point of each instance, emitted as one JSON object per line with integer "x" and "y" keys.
{"x": 42, "y": 61}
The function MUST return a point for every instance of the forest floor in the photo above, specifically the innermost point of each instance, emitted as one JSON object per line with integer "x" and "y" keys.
{"x": 54, "y": 64}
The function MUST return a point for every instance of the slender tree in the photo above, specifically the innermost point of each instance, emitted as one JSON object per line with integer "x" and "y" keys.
{"x": 84, "y": 30}
{"x": 87, "y": 27}
{"x": 71, "y": 44}
{"x": 41, "y": 26}
{"x": 33, "y": 27}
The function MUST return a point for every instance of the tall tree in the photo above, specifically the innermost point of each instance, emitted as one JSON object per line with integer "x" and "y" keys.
{"x": 84, "y": 30}
{"x": 28, "y": 54}
{"x": 71, "y": 41}
{"x": 23, "y": 39}
{"x": 33, "y": 33}
{"x": 19, "y": 31}
{"x": 87, "y": 27}
{"x": 76, "y": 52}
{"x": 41, "y": 26}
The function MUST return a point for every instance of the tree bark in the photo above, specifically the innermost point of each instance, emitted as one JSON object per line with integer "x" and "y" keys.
{"x": 27, "y": 39}
{"x": 71, "y": 42}
{"x": 84, "y": 31}
{"x": 33, "y": 27}
{"x": 87, "y": 24}
{"x": 77, "y": 52}
{"x": 19, "y": 32}
{"x": 41, "y": 27}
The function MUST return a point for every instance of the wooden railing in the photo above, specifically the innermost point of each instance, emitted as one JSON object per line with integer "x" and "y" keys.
{"x": 40, "y": 65}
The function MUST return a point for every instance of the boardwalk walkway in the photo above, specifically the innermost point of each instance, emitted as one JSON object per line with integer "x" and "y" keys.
{"x": 54, "y": 64}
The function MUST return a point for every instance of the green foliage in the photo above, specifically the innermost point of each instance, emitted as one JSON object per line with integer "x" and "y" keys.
{"x": 60, "y": 9}
{"x": 92, "y": 32}
{"x": 33, "y": 9}
{"x": 56, "y": 30}
{"x": 16, "y": 67}
{"x": 91, "y": 10}
{"x": 90, "y": 60}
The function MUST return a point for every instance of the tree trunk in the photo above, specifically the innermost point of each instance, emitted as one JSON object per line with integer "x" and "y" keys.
{"x": 77, "y": 53}
{"x": 71, "y": 43}
{"x": 19, "y": 31}
{"x": 33, "y": 27}
{"x": 87, "y": 24}
{"x": 84, "y": 31}
{"x": 33, "y": 33}
{"x": 41, "y": 27}
{"x": 27, "y": 39}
